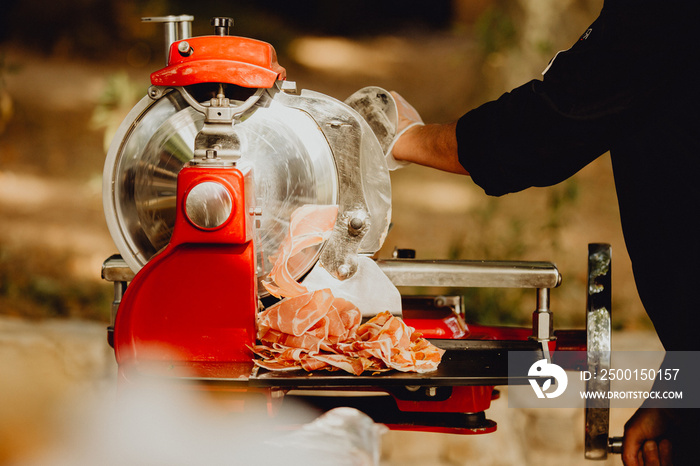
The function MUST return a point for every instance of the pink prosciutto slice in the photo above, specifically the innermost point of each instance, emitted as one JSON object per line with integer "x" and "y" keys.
{"x": 314, "y": 330}
{"x": 317, "y": 331}
{"x": 309, "y": 226}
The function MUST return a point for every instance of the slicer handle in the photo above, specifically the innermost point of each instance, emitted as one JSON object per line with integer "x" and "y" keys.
{"x": 615, "y": 445}
{"x": 598, "y": 346}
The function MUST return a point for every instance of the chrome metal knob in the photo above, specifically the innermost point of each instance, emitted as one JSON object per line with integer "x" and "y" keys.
{"x": 184, "y": 48}
{"x": 208, "y": 205}
{"x": 222, "y": 25}
{"x": 615, "y": 445}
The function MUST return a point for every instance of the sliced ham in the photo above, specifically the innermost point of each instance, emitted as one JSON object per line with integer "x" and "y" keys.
{"x": 314, "y": 330}
{"x": 309, "y": 226}
{"x": 317, "y": 331}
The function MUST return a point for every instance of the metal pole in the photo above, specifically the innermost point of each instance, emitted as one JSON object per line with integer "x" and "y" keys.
{"x": 176, "y": 28}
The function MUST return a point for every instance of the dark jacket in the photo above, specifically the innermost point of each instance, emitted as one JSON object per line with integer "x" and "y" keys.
{"x": 627, "y": 86}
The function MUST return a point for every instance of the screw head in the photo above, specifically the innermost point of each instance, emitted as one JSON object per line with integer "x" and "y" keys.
{"x": 344, "y": 271}
{"x": 184, "y": 48}
{"x": 357, "y": 223}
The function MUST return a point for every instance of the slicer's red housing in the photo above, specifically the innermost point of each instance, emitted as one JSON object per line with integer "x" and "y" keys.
{"x": 221, "y": 59}
{"x": 196, "y": 300}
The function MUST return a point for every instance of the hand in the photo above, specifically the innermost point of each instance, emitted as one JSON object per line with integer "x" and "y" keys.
{"x": 644, "y": 443}
{"x": 408, "y": 118}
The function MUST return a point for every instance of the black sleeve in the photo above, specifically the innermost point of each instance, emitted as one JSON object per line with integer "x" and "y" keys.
{"x": 545, "y": 131}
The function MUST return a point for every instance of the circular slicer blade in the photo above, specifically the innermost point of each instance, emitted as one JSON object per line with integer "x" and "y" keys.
{"x": 292, "y": 163}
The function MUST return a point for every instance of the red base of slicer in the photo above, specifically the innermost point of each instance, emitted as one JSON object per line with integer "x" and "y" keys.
{"x": 196, "y": 300}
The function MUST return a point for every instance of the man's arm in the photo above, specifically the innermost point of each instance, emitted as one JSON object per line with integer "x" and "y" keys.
{"x": 430, "y": 145}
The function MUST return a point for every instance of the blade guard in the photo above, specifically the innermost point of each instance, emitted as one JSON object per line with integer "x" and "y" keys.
{"x": 221, "y": 59}
{"x": 196, "y": 300}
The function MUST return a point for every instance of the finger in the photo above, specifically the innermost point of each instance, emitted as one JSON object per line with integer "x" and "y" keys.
{"x": 632, "y": 452}
{"x": 665, "y": 452}
{"x": 650, "y": 453}
{"x": 635, "y": 436}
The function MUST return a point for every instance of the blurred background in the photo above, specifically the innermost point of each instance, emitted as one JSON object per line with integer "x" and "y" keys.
{"x": 71, "y": 70}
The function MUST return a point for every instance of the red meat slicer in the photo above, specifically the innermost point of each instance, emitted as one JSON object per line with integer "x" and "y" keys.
{"x": 199, "y": 185}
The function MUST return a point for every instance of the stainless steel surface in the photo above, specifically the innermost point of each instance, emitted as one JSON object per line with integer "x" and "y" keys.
{"x": 119, "y": 289}
{"x": 115, "y": 269}
{"x": 615, "y": 445}
{"x": 543, "y": 322}
{"x": 402, "y": 271}
{"x": 222, "y": 25}
{"x": 598, "y": 331}
{"x": 208, "y": 205}
{"x": 291, "y": 160}
{"x": 218, "y": 109}
{"x": 362, "y": 175}
{"x": 303, "y": 149}
{"x": 219, "y": 132}
{"x": 184, "y": 27}
{"x": 486, "y": 274}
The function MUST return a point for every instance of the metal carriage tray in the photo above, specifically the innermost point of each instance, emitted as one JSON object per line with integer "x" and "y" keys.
{"x": 465, "y": 363}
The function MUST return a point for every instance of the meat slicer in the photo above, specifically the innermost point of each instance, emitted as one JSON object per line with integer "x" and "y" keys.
{"x": 199, "y": 185}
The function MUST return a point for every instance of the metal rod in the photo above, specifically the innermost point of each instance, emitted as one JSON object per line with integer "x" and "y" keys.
{"x": 176, "y": 28}
{"x": 184, "y": 30}
{"x": 543, "y": 322}
{"x": 477, "y": 274}
{"x": 170, "y": 30}
{"x": 543, "y": 299}
{"x": 119, "y": 289}
{"x": 410, "y": 272}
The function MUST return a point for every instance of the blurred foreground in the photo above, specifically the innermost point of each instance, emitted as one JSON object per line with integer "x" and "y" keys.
{"x": 60, "y": 407}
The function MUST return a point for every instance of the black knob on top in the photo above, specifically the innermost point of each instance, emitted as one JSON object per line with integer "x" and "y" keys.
{"x": 221, "y": 25}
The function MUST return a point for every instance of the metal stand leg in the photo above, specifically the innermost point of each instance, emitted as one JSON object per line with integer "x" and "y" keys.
{"x": 598, "y": 331}
{"x": 543, "y": 322}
